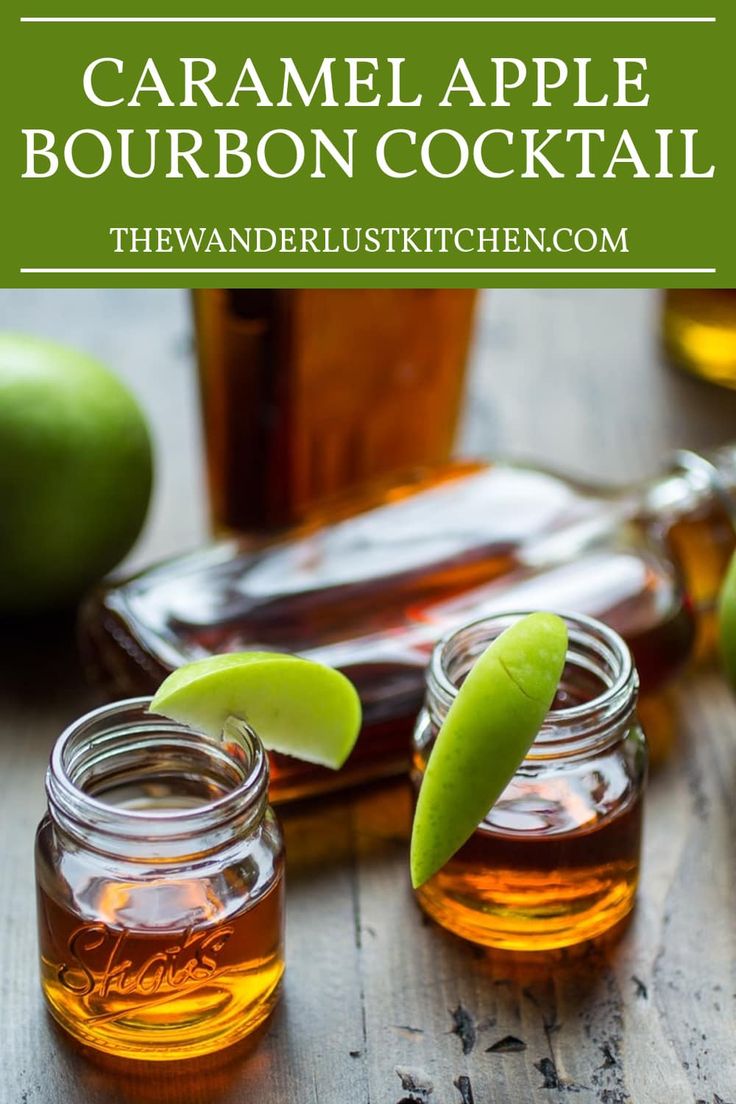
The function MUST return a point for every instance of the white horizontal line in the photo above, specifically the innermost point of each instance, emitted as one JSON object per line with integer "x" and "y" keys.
{"x": 357, "y": 271}
{"x": 367, "y": 19}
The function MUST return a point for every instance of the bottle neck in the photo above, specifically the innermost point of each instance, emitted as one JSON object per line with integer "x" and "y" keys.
{"x": 693, "y": 508}
{"x": 693, "y": 483}
{"x": 716, "y": 469}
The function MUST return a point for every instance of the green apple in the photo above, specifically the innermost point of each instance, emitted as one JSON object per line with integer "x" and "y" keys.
{"x": 487, "y": 732}
{"x": 75, "y": 473}
{"x": 295, "y": 706}
{"x": 727, "y": 622}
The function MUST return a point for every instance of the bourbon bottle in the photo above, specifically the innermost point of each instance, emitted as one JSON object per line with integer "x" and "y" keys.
{"x": 288, "y": 375}
{"x": 372, "y": 593}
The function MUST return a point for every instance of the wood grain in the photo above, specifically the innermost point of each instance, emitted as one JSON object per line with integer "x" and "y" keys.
{"x": 382, "y": 1007}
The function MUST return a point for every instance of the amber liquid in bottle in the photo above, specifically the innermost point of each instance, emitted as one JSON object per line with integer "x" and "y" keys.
{"x": 387, "y": 666}
{"x": 121, "y": 988}
{"x": 371, "y": 594}
{"x": 703, "y": 545}
{"x": 308, "y": 394}
{"x": 700, "y": 332}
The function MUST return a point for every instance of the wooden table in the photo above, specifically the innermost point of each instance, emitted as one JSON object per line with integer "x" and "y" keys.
{"x": 379, "y": 1005}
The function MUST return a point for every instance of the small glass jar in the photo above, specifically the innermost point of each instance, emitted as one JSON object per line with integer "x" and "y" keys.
{"x": 159, "y": 869}
{"x": 556, "y": 860}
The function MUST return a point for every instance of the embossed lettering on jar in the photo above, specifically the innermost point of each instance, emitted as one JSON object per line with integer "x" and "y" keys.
{"x": 556, "y": 860}
{"x": 159, "y": 871}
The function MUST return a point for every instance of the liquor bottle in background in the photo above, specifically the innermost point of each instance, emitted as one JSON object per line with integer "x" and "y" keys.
{"x": 308, "y": 394}
{"x": 700, "y": 332}
{"x": 372, "y": 593}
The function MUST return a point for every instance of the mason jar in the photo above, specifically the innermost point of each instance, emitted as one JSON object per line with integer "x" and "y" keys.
{"x": 159, "y": 870}
{"x": 556, "y": 860}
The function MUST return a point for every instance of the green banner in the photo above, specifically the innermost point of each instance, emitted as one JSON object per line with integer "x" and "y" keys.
{"x": 494, "y": 145}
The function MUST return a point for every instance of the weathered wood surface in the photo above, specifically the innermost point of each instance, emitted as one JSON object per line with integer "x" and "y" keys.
{"x": 379, "y": 1005}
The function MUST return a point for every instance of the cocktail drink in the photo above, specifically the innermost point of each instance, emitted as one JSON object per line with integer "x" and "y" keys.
{"x": 555, "y": 860}
{"x": 160, "y": 886}
{"x": 159, "y": 864}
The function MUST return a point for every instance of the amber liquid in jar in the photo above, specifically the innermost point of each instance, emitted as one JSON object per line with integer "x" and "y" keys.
{"x": 556, "y": 860}
{"x": 160, "y": 923}
{"x": 542, "y": 871}
{"x": 119, "y": 988}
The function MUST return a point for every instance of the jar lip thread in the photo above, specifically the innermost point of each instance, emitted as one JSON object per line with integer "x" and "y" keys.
{"x": 561, "y": 725}
{"x": 130, "y": 717}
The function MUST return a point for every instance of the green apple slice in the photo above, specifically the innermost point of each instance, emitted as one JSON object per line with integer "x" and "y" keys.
{"x": 727, "y": 622}
{"x": 295, "y": 706}
{"x": 489, "y": 729}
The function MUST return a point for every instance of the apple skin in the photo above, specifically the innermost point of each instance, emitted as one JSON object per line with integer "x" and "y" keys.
{"x": 486, "y": 734}
{"x": 727, "y": 622}
{"x": 76, "y": 473}
{"x": 294, "y": 705}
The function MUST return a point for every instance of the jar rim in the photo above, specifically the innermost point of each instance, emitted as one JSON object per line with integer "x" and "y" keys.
{"x": 604, "y": 709}
{"x": 131, "y": 717}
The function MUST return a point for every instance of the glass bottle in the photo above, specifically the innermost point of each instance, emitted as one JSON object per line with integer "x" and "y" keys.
{"x": 372, "y": 593}
{"x": 700, "y": 332}
{"x": 288, "y": 378}
{"x": 159, "y": 872}
{"x": 556, "y": 860}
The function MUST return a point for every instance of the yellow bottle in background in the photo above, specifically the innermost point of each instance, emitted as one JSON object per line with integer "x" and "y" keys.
{"x": 700, "y": 332}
